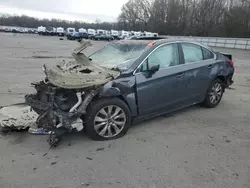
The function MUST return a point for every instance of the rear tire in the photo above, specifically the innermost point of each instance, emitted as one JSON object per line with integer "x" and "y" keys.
{"x": 214, "y": 94}
{"x": 96, "y": 125}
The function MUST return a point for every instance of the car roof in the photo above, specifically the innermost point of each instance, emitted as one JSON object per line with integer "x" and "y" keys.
{"x": 158, "y": 41}
{"x": 142, "y": 40}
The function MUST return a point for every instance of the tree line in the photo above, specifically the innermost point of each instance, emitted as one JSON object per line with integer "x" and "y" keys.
{"x": 30, "y": 22}
{"x": 227, "y": 18}
{"x": 222, "y": 18}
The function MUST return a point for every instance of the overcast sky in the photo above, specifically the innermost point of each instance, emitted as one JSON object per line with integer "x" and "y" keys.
{"x": 85, "y": 10}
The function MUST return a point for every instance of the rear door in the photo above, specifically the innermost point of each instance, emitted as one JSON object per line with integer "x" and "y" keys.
{"x": 199, "y": 62}
{"x": 164, "y": 88}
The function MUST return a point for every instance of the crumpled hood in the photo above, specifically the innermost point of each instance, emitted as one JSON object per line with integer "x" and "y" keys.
{"x": 80, "y": 73}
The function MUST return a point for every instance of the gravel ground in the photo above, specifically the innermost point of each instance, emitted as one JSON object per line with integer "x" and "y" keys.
{"x": 193, "y": 148}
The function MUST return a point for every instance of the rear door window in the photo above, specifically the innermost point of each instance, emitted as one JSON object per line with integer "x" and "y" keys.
{"x": 192, "y": 53}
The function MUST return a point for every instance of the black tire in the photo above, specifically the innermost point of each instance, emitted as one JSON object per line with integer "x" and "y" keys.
{"x": 95, "y": 107}
{"x": 207, "y": 102}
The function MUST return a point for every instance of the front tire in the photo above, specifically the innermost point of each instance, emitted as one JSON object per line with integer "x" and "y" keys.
{"x": 214, "y": 94}
{"x": 107, "y": 119}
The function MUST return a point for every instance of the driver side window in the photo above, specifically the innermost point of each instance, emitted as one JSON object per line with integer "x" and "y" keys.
{"x": 165, "y": 56}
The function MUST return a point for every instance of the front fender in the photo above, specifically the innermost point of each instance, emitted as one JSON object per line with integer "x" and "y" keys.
{"x": 123, "y": 88}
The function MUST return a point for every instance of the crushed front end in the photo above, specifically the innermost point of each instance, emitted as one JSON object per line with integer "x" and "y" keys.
{"x": 61, "y": 100}
{"x": 60, "y": 110}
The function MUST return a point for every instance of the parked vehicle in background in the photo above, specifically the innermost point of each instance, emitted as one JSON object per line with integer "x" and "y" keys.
{"x": 137, "y": 34}
{"x": 90, "y": 36}
{"x": 102, "y": 37}
{"x": 122, "y": 37}
{"x": 60, "y": 31}
{"x": 82, "y": 30}
{"x": 100, "y": 31}
{"x": 149, "y": 34}
{"x": 114, "y": 33}
{"x": 23, "y": 30}
{"x": 155, "y": 34}
{"x": 41, "y": 30}
{"x": 131, "y": 38}
{"x": 70, "y": 31}
{"x": 106, "y": 32}
{"x": 50, "y": 31}
{"x": 91, "y": 32}
{"x": 124, "y": 33}
{"x": 31, "y": 31}
{"x": 77, "y": 35}
{"x": 15, "y": 30}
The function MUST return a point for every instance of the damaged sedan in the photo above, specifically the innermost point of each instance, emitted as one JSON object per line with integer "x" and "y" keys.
{"x": 126, "y": 81}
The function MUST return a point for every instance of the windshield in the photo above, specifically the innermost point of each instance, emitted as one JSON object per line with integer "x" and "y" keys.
{"x": 118, "y": 55}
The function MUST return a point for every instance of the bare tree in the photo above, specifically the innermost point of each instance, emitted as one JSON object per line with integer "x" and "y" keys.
{"x": 189, "y": 17}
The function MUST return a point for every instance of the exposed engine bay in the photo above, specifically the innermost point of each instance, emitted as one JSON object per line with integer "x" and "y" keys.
{"x": 62, "y": 98}
{"x": 60, "y": 110}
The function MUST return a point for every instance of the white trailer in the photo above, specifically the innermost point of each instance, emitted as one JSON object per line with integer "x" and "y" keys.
{"x": 137, "y": 33}
{"x": 106, "y": 32}
{"x": 82, "y": 30}
{"x": 148, "y": 34}
{"x": 50, "y": 31}
{"x": 41, "y": 30}
{"x": 70, "y": 30}
{"x": 155, "y": 34}
{"x": 124, "y": 33}
{"x": 91, "y": 32}
{"x": 100, "y": 31}
{"x": 114, "y": 33}
{"x": 60, "y": 31}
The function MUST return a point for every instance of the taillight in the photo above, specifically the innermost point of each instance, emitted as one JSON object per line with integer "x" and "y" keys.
{"x": 231, "y": 62}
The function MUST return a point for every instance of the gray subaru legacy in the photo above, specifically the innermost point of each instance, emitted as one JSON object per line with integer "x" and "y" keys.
{"x": 127, "y": 81}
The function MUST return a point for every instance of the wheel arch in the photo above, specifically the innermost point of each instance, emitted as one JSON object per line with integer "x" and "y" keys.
{"x": 223, "y": 79}
{"x": 120, "y": 97}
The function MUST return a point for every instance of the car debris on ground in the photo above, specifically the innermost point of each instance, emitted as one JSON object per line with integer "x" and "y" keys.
{"x": 17, "y": 117}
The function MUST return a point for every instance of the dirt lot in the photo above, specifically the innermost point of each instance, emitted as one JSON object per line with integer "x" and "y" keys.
{"x": 194, "y": 148}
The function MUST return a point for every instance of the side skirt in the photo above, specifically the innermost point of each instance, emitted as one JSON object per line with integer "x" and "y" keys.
{"x": 162, "y": 112}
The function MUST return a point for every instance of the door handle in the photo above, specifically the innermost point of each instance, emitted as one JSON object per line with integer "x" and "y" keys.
{"x": 210, "y": 66}
{"x": 181, "y": 75}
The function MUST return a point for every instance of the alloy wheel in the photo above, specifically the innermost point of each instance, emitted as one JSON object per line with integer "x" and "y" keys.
{"x": 215, "y": 93}
{"x": 109, "y": 121}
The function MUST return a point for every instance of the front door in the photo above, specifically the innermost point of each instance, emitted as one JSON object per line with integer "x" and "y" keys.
{"x": 164, "y": 88}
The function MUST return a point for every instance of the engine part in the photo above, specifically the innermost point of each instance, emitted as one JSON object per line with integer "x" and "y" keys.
{"x": 79, "y": 96}
{"x": 89, "y": 97}
{"x": 78, "y": 125}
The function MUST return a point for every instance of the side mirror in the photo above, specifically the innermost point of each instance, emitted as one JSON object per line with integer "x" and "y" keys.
{"x": 154, "y": 68}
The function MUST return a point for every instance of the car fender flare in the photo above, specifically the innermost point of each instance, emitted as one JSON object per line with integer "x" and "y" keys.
{"x": 109, "y": 90}
{"x": 122, "y": 91}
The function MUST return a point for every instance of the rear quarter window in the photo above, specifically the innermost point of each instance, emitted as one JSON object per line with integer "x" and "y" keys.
{"x": 192, "y": 52}
{"x": 207, "y": 54}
